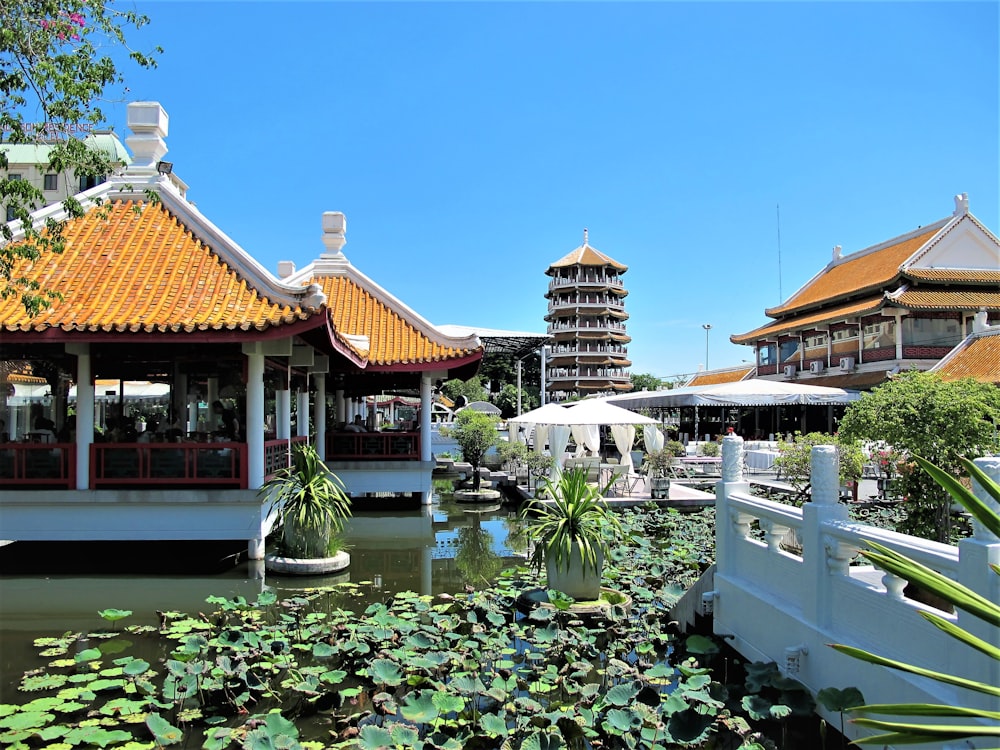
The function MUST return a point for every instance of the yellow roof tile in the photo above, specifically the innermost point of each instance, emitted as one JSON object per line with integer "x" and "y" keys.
{"x": 954, "y": 275}
{"x": 391, "y": 339}
{"x": 585, "y": 255}
{"x": 797, "y": 323}
{"x": 980, "y": 359}
{"x": 132, "y": 266}
{"x": 854, "y": 275}
{"x": 941, "y": 299}
{"x": 721, "y": 376}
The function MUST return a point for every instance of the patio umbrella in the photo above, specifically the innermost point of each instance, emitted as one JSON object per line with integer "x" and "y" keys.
{"x": 548, "y": 414}
{"x": 756, "y": 392}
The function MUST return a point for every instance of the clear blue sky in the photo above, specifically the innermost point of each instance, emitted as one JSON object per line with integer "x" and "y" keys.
{"x": 469, "y": 144}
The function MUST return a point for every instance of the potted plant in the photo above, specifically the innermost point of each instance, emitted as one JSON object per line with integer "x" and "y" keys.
{"x": 475, "y": 432}
{"x": 571, "y": 534}
{"x": 657, "y": 464}
{"x": 312, "y": 502}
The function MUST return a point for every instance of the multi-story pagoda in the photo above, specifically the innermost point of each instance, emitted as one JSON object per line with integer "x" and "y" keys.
{"x": 586, "y": 319}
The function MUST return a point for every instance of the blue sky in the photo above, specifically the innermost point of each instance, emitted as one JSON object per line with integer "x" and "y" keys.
{"x": 469, "y": 144}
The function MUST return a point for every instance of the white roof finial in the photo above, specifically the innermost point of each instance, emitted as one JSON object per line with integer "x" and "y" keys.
{"x": 334, "y": 231}
{"x": 585, "y": 235}
{"x": 961, "y": 204}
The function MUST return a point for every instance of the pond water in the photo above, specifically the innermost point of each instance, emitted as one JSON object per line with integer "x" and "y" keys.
{"x": 47, "y": 589}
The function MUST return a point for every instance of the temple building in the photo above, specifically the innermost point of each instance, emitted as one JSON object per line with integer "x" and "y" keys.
{"x": 586, "y": 320}
{"x": 902, "y": 304}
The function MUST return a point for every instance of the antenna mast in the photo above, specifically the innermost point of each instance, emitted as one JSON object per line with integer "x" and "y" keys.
{"x": 781, "y": 297}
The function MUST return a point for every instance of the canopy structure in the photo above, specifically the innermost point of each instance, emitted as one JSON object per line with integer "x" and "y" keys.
{"x": 587, "y": 412}
{"x": 756, "y": 392}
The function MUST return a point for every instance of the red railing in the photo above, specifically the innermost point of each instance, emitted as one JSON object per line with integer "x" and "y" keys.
{"x": 173, "y": 464}
{"x": 48, "y": 464}
{"x": 277, "y": 454}
{"x": 373, "y": 446}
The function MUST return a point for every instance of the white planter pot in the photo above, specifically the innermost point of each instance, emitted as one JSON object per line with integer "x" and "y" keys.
{"x": 582, "y": 585}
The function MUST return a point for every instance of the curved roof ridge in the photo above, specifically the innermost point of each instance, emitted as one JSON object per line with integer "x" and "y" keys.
{"x": 586, "y": 255}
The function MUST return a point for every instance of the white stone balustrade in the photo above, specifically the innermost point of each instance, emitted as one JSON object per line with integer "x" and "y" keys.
{"x": 770, "y": 599}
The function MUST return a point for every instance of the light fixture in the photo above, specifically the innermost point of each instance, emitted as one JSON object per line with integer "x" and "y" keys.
{"x": 164, "y": 167}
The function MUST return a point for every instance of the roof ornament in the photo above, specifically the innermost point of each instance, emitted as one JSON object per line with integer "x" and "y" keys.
{"x": 314, "y": 297}
{"x": 585, "y": 236}
{"x": 961, "y": 204}
{"x": 149, "y": 125}
{"x": 334, "y": 234}
{"x": 837, "y": 252}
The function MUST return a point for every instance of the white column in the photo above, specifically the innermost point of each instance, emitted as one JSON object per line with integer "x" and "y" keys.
{"x": 339, "y": 405}
{"x": 975, "y": 555}
{"x": 180, "y": 400}
{"x": 192, "y": 416}
{"x": 302, "y": 412}
{"x": 212, "y": 395}
{"x": 426, "y": 567}
{"x": 84, "y": 415}
{"x": 425, "y": 418}
{"x": 819, "y": 562}
{"x": 319, "y": 414}
{"x": 255, "y": 421}
{"x": 283, "y": 414}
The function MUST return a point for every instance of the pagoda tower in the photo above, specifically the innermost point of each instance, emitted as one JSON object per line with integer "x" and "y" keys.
{"x": 586, "y": 319}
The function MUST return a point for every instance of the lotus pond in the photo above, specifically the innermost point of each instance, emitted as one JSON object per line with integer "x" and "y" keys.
{"x": 364, "y": 664}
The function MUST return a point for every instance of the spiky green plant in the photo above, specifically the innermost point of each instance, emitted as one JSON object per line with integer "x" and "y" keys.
{"x": 905, "y": 732}
{"x": 576, "y": 518}
{"x": 312, "y": 501}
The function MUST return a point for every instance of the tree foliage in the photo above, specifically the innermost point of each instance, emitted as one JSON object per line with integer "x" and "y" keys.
{"x": 919, "y": 414}
{"x": 471, "y": 389}
{"x": 475, "y": 433}
{"x": 795, "y": 458}
{"x": 645, "y": 382}
{"x": 55, "y": 71}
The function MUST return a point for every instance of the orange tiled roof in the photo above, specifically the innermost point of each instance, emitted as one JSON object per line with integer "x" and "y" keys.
{"x": 871, "y": 304}
{"x": 391, "y": 340}
{"x": 585, "y": 255}
{"x": 854, "y": 275}
{"x": 954, "y": 275}
{"x": 132, "y": 266}
{"x": 717, "y": 377}
{"x": 942, "y": 299}
{"x": 980, "y": 359}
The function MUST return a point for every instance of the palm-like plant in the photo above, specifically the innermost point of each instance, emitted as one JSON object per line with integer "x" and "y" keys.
{"x": 312, "y": 500}
{"x": 575, "y": 524}
{"x": 904, "y": 732}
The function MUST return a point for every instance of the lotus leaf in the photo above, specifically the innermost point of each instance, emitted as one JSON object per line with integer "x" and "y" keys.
{"x": 419, "y": 707}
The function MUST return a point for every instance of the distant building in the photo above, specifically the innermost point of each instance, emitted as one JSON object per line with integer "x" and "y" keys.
{"x": 586, "y": 319}
{"x": 30, "y": 161}
{"x": 902, "y": 304}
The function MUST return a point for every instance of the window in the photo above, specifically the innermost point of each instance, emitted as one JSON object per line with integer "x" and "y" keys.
{"x": 816, "y": 341}
{"x": 86, "y": 183}
{"x": 16, "y": 176}
{"x": 880, "y": 334}
{"x": 766, "y": 354}
{"x": 789, "y": 350}
{"x": 10, "y": 213}
{"x": 844, "y": 334}
{"x": 51, "y": 181}
{"x": 930, "y": 332}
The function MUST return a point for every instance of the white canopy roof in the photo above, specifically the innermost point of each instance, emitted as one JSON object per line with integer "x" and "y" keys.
{"x": 587, "y": 412}
{"x": 757, "y": 392}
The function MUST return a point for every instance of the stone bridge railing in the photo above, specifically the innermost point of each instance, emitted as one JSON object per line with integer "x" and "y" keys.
{"x": 787, "y": 602}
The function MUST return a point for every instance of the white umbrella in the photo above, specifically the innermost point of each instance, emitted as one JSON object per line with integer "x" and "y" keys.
{"x": 594, "y": 411}
{"x": 548, "y": 414}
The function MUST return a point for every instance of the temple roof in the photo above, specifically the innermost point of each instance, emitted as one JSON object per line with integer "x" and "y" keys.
{"x": 131, "y": 265}
{"x": 716, "y": 377}
{"x": 585, "y": 255}
{"x": 977, "y": 357}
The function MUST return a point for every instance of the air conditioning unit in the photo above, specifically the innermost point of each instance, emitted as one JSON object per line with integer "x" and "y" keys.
{"x": 846, "y": 364}
{"x": 790, "y": 371}
{"x": 815, "y": 366}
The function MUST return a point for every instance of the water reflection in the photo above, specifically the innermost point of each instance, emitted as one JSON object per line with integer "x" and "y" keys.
{"x": 51, "y": 588}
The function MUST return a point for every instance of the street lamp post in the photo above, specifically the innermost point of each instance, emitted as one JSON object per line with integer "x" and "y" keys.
{"x": 707, "y": 327}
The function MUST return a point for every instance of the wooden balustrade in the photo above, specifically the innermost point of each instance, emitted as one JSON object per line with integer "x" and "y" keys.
{"x": 38, "y": 464}
{"x": 168, "y": 464}
{"x": 373, "y": 446}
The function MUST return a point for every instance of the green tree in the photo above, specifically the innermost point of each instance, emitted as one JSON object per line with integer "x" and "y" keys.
{"x": 645, "y": 382}
{"x": 506, "y": 401}
{"x": 795, "y": 459}
{"x": 54, "y": 72}
{"x": 919, "y": 414}
{"x": 472, "y": 389}
{"x": 475, "y": 433}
